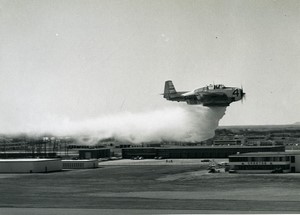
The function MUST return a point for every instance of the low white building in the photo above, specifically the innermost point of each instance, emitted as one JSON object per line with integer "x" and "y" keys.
{"x": 33, "y": 165}
{"x": 265, "y": 162}
{"x": 80, "y": 164}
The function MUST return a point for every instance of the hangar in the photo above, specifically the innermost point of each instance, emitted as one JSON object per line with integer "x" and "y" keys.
{"x": 94, "y": 153}
{"x": 30, "y": 165}
{"x": 13, "y": 155}
{"x": 196, "y": 152}
{"x": 265, "y": 162}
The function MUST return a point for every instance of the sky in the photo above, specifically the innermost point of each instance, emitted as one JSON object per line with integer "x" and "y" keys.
{"x": 81, "y": 59}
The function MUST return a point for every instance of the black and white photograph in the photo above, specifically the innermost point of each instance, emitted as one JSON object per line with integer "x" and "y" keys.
{"x": 149, "y": 107}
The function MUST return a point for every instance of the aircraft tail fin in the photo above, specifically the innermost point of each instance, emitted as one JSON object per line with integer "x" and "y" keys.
{"x": 170, "y": 91}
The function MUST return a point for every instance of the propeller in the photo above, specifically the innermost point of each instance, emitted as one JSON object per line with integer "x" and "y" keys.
{"x": 243, "y": 94}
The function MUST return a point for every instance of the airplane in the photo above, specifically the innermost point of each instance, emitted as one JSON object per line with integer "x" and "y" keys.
{"x": 211, "y": 95}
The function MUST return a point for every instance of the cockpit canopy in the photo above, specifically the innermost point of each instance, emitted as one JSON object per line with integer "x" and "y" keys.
{"x": 215, "y": 86}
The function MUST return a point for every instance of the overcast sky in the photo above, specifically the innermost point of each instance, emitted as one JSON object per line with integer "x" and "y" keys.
{"x": 84, "y": 59}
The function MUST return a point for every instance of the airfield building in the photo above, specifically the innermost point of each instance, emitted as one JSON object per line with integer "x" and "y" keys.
{"x": 30, "y": 165}
{"x": 195, "y": 152}
{"x": 265, "y": 162}
{"x": 80, "y": 164}
{"x": 94, "y": 153}
{"x": 227, "y": 142}
{"x": 13, "y": 155}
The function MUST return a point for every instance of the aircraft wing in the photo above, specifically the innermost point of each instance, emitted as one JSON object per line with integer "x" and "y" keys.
{"x": 205, "y": 94}
{"x": 213, "y": 94}
{"x": 190, "y": 93}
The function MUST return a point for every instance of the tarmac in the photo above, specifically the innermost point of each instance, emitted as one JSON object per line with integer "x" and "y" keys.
{"x": 159, "y": 162}
{"x": 149, "y": 187}
{"x": 64, "y": 211}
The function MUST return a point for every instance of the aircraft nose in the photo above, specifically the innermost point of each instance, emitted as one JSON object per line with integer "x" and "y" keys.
{"x": 243, "y": 95}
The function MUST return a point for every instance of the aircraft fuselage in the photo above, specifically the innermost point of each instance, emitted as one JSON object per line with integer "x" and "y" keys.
{"x": 212, "y": 95}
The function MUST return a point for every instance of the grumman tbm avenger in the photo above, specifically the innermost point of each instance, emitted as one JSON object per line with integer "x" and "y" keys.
{"x": 211, "y": 95}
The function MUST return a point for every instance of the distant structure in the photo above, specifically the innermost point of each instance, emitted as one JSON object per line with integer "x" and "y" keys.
{"x": 281, "y": 135}
{"x": 234, "y": 142}
{"x": 94, "y": 153}
{"x": 195, "y": 152}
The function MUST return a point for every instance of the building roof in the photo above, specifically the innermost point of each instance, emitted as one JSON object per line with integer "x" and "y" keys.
{"x": 27, "y": 160}
{"x": 205, "y": 147}
{"x": 261, "y": 154}
{"x": 81, "y": 160}
{"x": 98, "y": 149}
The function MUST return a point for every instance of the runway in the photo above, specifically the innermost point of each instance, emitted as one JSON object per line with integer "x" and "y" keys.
{"x": 63, "y": 211}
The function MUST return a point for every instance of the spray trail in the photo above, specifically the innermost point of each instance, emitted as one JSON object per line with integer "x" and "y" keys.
{"x": 181, "y": 123}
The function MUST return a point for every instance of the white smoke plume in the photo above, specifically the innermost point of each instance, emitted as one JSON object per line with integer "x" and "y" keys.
{"x": 181, "y": 123}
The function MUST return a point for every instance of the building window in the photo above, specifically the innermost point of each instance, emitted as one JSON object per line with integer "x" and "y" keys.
{"x": 293, "y": 169}
{"x": 292, "y": 159}
{"x": 261, "y": 167}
